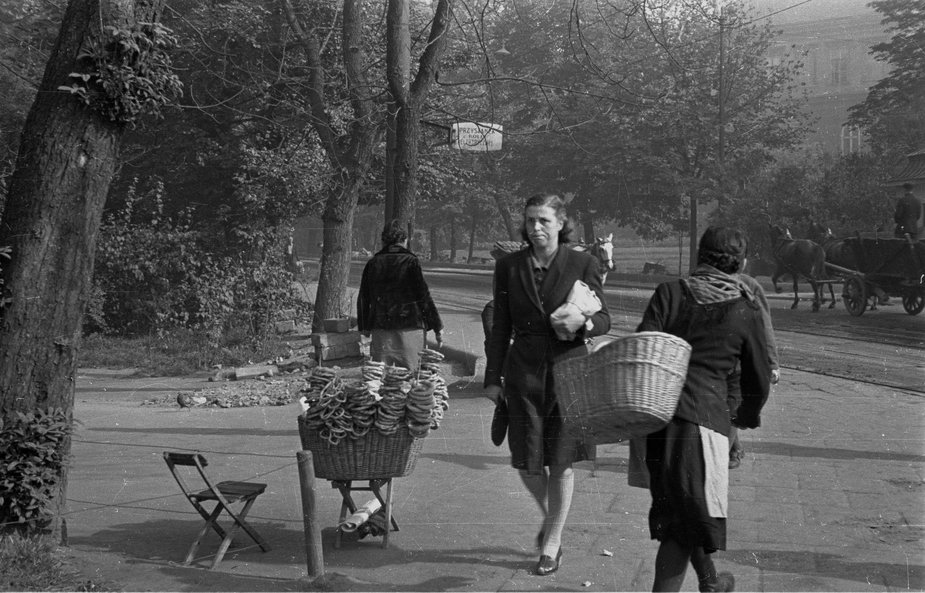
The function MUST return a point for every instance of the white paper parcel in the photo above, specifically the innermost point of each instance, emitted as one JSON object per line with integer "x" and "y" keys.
{"x": 582, "y": 302}
{"x": 362, "y": 515}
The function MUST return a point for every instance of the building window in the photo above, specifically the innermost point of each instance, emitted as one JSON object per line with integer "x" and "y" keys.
{"x": 839, "y": 71}
{"x": 850, "y": 139}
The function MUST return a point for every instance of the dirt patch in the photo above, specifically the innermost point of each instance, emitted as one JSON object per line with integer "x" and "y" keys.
{"x": 235, "y": 394}
{"x": 279, "y": 390}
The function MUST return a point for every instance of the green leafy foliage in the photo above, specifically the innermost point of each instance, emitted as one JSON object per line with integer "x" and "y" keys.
{"x": 179, "y": 352}
{"x": 846, "y": 194}
{"x": 893, "y": 113}
{"x": 30, "y": 29}
{"x": 31, "y": 456}
{"x": 130, "y": 72}
{"x": 632, "y": 110}
{"x": 35, "y": 563}
{"x": 28, "y": 563}
{"x": 157, "y": 272}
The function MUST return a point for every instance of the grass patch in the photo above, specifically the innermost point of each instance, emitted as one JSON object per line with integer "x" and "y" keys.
{"x": 35, "y": 563}
{"x": 180, "y": 353}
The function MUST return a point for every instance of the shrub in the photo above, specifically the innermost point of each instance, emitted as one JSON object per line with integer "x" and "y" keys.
{"x": 178, "y": 352}
{"x": 31, "y": 455}
{"x": 28, "y": 563}
{"x": 157, "y": 272}
{"x": 35, "y": 563}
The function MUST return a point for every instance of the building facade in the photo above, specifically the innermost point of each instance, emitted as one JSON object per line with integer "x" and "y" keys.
{"x": 838, "y": 71}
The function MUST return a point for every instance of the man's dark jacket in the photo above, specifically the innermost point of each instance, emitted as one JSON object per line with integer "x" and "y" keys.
{"x": 393, "y": 294}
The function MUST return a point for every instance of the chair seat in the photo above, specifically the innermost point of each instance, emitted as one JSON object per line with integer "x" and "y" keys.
{"x": 232, "y": 491}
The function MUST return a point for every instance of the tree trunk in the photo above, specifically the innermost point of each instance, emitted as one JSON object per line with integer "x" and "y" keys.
{"x": 453, "y": 241}
{"x": 391, "y": 187}
{"x": 587, "y": 225}
{"x": 406, "y": 98}
{"x": 694, "y": 237}
{"x": 67, "y": 157}
{"x": 513, "y": 231}
{"x": 404, "y": 165}
{"x": 331, "y": 299}
{"x": 680, "y": 253}
{"x": 434, "y": 252}
{"x": 349, "y": 154}
{"x": 471, "y": 240}
{"x": 401, "y": 140}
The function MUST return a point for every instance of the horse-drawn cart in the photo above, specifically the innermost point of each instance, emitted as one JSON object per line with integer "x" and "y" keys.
{"x": 884, "y": 266}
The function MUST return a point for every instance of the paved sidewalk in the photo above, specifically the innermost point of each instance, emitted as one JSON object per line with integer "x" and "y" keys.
{"x": 828, "y": 498}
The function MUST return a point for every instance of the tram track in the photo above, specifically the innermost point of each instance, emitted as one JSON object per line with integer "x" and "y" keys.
{"x": 835, "y": 375}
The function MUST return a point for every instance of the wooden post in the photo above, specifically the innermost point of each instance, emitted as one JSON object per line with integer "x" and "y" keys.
{"x": 313, "y": 550}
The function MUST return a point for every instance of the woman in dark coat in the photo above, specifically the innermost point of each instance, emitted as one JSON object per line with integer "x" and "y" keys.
{"x": 688, "y": 460}
{"x": 529, "y": 285}
{"x": 394, "y": 305}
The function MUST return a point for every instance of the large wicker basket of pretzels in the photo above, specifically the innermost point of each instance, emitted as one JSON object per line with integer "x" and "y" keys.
{"x": 375, "y": 456}
{"x": 371, "y": 428}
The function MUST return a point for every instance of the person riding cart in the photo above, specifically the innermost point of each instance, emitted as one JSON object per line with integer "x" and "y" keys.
{"x": 908, "y": 215}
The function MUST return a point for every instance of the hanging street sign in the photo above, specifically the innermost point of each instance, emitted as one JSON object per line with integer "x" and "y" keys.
{"x": 476, "y": 136}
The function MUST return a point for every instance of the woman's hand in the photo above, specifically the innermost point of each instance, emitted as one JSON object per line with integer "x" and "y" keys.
{"x": 493, "y": 392}
{"x": 566, "y": 321}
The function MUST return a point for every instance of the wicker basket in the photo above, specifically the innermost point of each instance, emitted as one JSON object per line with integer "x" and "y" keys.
{"x": 374, "y": 456}
{"x": 625, "y": 388}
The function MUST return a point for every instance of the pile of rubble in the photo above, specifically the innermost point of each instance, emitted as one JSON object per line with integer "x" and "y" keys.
{"x": 263, "y": 392}
{"x": 273, "y": 383}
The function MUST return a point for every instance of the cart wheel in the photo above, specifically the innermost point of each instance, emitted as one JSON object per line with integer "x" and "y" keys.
{"x": 914, "y": 301}
{"x": 855, "y": 296}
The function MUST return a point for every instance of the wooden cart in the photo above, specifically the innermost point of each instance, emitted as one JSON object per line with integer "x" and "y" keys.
{"x": 890, "y": 266}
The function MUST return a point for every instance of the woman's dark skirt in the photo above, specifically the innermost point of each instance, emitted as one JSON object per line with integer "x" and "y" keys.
{"x": 674, "y": 457}
{"x": 536, "y": 435}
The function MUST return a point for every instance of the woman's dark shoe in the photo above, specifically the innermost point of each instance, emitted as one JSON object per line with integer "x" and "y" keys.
{"x": 547, "y": 565}
{"x": 735, "y": 458}
{"x": 723, "y": 581}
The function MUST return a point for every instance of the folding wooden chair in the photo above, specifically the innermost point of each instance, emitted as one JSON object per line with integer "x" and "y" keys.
{"x": 224, "y": 494}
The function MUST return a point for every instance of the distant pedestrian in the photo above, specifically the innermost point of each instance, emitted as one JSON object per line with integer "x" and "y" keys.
{"x": 394, "y": 305}
{"x": 529, "y": 286}
{"x": 687, "y": 461}
{"x": 908, "y": 214}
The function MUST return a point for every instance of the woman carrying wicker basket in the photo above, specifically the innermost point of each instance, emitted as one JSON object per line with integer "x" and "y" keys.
{"x": 687, "y": 461}
{"x": 529, "y": 286}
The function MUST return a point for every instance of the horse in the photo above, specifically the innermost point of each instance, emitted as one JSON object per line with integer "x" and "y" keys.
{"x": 797, "y": 257}
{"x": 601, "y": 248}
